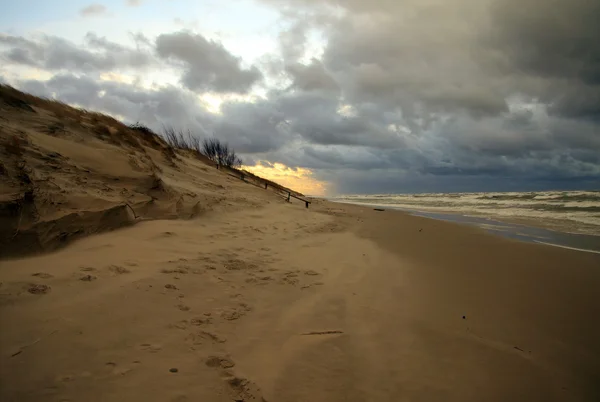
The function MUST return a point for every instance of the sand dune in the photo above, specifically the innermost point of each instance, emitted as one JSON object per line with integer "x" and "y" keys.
{"x": 69, "y": 173}
{"x": 222, "y": 291}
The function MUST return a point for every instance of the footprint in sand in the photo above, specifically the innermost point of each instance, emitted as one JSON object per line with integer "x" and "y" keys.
{"x": 152, "y": 348}
{"x": 38, "y": 289}
{"x": 236, "y": 312}
{"x": 198, "y": 321}
{"x": 311, "y": 285}
{"x": 42, "y": 275}
{"x": 206, "y": 258}
{"x": 88, "y": 278}
{"x": 183, "y": 307}
{"x": 238, "y": 265}
{"x": 219, "y": 361}
{"x": 118, "y": 270}
{"x": 290, "y": 278}
{"x": 177, "y": 261}
{"x": 199, "y": 338}
{"x": 173, "y": 271}
{"x": 183, "y": 324}
{"x": 87, "y": 269}
{"x": 119, "y": 369}
{"x": 245, "y": 389}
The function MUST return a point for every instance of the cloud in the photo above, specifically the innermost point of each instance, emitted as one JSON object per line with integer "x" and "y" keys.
{"x": 53, "y": 53}
{"x": 207, "y": 64}
{"x": 134, "y": 3}
{"x": 456, "y": 81}
{"x": 248, "y": 127}
{"x": 93, "y": 10}
{"x": 442, "y": 57}
{"x": 311, "y": 77}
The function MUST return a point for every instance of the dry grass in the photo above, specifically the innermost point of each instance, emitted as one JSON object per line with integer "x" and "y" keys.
{"x": 147, "y": 136}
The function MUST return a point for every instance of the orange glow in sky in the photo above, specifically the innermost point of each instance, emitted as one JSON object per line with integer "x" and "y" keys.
{"x": 299, "y": 179}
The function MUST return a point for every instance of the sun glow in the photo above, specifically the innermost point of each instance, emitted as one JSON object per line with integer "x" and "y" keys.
{"x": 299, "y": 179}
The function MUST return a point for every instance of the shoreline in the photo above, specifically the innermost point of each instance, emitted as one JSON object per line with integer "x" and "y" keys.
{"x": 334, "y": 303}
{"x": 519, "y": 229}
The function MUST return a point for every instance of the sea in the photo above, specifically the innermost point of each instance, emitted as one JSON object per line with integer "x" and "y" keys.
{"x": 569, "y": 219}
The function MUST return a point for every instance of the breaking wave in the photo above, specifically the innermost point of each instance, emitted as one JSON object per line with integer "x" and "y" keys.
{"x": 568, "y": 211}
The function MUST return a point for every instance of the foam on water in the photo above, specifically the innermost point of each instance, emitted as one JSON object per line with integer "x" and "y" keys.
{"x": 569, "y": 248}
{"x": 565, "y": 211}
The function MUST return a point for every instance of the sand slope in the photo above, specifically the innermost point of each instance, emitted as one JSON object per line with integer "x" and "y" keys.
{"x": 68, "y": 173}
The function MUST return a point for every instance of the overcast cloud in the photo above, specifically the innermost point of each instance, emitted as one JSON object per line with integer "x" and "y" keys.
{"x": 407, "y": 96}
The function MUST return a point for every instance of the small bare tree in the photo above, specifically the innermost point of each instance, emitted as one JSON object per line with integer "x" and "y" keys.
{"x": 182, "y": 140}
{"x": 220, "y": 153}
{"x": 215, "y": 150}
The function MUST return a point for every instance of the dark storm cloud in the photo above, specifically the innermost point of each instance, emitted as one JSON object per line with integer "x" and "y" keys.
{"x": 551, "y": 39}
{"x": 465, "y": 55}
{"x": 480, "y": 89}
{"x": 207, "y": 64}
{"x": 424, "y": 64}
{"x": 556, "y": 42}
{"x": 248, "y": 127}
{"x": 92, "y": 10}
{"x": 311, "y": 77}
{"x": 252, "y": 127}
{"x": 53, "y": 53}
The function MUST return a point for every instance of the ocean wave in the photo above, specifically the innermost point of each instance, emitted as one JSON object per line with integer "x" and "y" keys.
{"x": 573, "y": 211}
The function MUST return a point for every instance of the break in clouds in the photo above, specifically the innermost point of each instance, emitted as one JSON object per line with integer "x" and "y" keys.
{"x": 463, "y": 95}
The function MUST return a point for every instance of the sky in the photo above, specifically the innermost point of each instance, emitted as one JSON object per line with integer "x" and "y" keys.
{"x": 337, "y": 96}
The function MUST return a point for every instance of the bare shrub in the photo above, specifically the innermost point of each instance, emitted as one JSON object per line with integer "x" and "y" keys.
{"x": 176, "y": 139}
{"x": 147, "y": 135}
{"x": 139, "y": 127}
{"x": 212, "y": 148}
{"x": 220, "y": 152}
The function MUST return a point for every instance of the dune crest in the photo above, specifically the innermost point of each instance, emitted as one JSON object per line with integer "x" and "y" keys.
{"x": 69, "y": 173}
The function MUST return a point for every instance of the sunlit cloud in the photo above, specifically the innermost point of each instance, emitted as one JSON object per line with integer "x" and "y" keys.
{"x": 116, "y": 77}
{"x": 299, "y": 179}
{"x": 212, "y": 101}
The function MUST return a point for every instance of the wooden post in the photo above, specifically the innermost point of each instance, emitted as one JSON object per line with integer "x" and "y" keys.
{"x": 217, "y": 166}
{"x": 306, "y": 204}
{"x": 266, "y": 184}
{"x": 289, "y": 195}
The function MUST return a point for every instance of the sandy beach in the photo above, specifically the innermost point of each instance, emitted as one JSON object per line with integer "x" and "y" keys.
{"x": 132, "y": 273}
{"x": 333, "y": 303}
